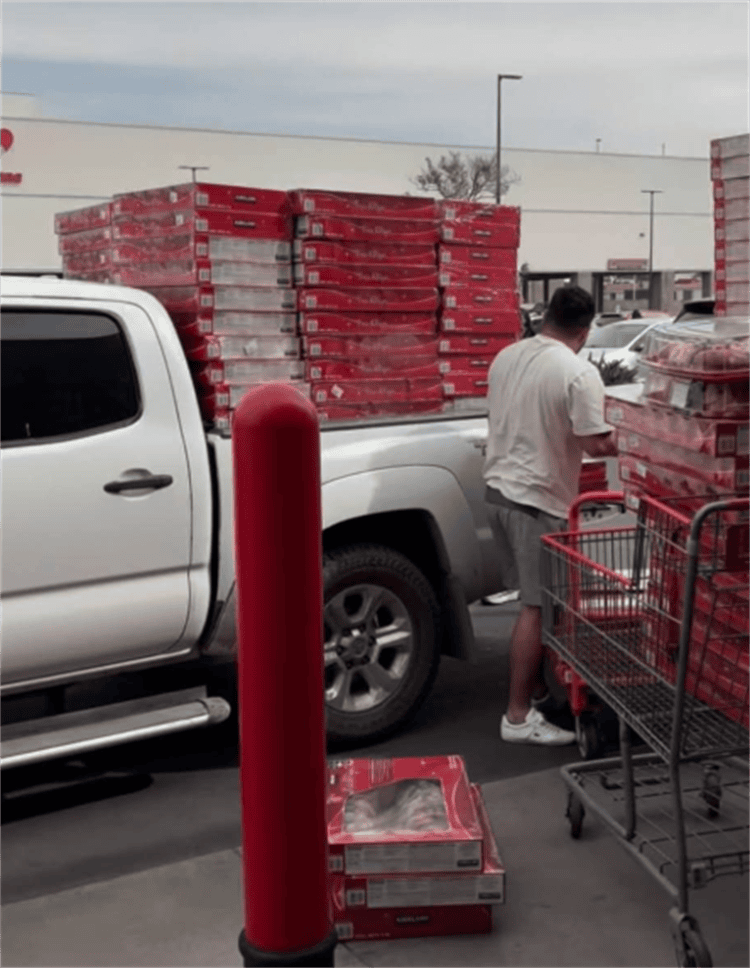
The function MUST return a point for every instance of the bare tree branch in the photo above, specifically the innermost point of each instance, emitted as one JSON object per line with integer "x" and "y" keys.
{"x": 473, "y": 178}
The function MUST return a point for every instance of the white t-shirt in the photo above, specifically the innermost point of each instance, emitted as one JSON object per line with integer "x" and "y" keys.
{"x": 542, "y": 397}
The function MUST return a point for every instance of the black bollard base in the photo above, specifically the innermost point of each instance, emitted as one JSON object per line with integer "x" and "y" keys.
{"x": 321, "y": 956}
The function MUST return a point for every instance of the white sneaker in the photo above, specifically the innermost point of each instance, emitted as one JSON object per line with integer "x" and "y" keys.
{"x": 535, "y": 729}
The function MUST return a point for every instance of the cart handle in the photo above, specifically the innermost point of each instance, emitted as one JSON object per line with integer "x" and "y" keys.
{"x": 592, "y": 497}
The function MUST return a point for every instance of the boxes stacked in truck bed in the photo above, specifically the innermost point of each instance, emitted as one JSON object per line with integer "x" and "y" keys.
{"x": 218, "y": 257}
{"x": 479, "y": 304}
{"x": 366, "y": 277}
{"x": 730, "y": 174}
{"x": 411, "y": 849}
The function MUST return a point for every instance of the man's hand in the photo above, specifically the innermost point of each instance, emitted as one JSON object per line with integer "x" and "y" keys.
{"x": 600, "y": 445}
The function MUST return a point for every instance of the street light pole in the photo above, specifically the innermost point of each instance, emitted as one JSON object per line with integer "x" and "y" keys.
{"x": 194, "y": 168}
{"x": 651, "y": 192}
{"x": 500, "y": 78}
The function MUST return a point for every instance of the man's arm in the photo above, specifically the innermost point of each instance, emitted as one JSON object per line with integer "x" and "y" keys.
{"x": 600, "y": 445}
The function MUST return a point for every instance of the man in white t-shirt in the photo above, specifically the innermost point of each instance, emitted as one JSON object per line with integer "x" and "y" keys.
{"x": 546, "y": 409}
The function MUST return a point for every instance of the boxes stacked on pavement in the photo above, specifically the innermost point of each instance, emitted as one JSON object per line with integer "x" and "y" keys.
{"x": 479, "y": 304}
{"x": 411, "y": 849}
{"x": 683, "y": 439}
{"x": 730, "y": 174}
{"x": 366, "y": 277}
{"x": 218, "y": 257}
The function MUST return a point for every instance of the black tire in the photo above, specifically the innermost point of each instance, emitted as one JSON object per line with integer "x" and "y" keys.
{"x": 575, "y": 814}
{"x": 694, "y": 953}
{"x": 409, "y": 605}
{"x": 589, "y": 737}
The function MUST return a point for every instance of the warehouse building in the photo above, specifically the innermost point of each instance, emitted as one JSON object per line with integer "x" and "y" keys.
{"x": 585, "y": 216}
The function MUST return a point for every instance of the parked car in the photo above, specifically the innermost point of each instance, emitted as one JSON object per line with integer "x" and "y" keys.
{"x": 621, "y": 341}
{"x": 696, "y": 309}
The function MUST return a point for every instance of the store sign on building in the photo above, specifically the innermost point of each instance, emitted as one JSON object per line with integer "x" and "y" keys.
{"x": 626, "y": 265}
{"x": 6, "y": 143}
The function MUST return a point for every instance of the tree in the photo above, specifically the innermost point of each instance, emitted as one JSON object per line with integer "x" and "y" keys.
{"x": 473, "y": 177}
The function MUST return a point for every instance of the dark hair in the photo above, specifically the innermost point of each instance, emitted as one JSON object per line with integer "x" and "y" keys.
{"x": 570, "y": 308}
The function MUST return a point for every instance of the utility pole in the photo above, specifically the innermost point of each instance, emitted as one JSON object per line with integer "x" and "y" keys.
{"x": 598, "y": 142}
{"x": 500, "y": 79}
{"x": 651, "y": 192}
{"x": 194, "y": 168}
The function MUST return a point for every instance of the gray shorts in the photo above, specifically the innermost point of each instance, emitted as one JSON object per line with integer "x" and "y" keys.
{"x": 517, "y": 531}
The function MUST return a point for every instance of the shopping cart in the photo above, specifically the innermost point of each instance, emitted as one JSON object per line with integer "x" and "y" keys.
{"x": 653, "y": 618}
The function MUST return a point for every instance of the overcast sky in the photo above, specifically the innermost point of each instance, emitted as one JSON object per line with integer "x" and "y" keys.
{"x": 637, "y": 75}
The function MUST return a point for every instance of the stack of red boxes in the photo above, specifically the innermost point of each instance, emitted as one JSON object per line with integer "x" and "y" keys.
{"x": 411, "y": 850}
{"x": 84, "y": 240}
{"x": 367, "y": 297}
{"x": 683, "y": 440}
{"x": 218, "y": 257}
{"x": 479, "y": 312}
{"x": 730, "y": 174}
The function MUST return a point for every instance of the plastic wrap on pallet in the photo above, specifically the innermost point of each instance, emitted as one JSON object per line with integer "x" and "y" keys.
{"x": 721, "y": 352}
{"x": 469, "y": 344}
{"x": 498, "y": 322}
{"x": 477, "y": 233}
{"x": 190, "y": 245}
{"x": 387, "y": 345}
{"x": 87, "y": 240}
{"x": 219, "y": 322}
{"x": 170, "y": 272}
{"x": 181, "y": 299}
{"x": 237, "y": 347}
{"x": 382, "y": 276}
{"x": 401, "y": 231}
{"x": 367, "y": 298}
{"x": 728, "y": 399}
{"x": 305, "y": 201}
{"x": 275, "y": 228}
{"x": 82, "y": 219}
{"x": 376, "y": 390}
{"x": 372, "y": 367}
{"x": 476, "y": 297}
{"x": 477, "y": 276}
{"x": 455, "y": 255}
{"x": 234, "y": 198}
{"x": 366, "y": 324}
{"x": 311, "y": 251}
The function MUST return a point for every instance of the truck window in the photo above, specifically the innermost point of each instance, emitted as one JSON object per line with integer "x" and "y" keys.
{"x": 63, "y": 374}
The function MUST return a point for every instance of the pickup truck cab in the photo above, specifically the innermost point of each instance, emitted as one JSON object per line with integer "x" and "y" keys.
{"x": 117, "y": 560}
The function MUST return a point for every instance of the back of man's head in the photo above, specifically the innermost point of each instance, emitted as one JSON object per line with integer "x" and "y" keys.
{"x": 571, "y": 308}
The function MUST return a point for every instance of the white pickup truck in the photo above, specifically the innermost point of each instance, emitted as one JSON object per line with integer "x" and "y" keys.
{"x": 117, "y": 536}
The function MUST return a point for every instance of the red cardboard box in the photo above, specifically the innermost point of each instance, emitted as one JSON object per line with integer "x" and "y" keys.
{"x": 475, "y": 232}
{"x": 202, "y": 271}
{"x": 473, "y": 364}
{"x": 321, "y": 202}
{"x": 363, "y": 253}
{"x": 732, "y": 251}
{"x": 474, "y": 297}
{"x": 452, "y": 210}
{"x": 219, "y": 400}
{"x": 726, "y": 271}
{"x": 88, "y": 240}
{"x": 727, "y": 474}
{"x": 729, "y": 209}
{"x": 733, "y": 188}
{"x": 723, "y": 169}
{"x": 725, "y": 399}
{"x": 736, "y": 145}
{"x": 386, "y": 345}
{"x": 454, "y": 255}
{"x": 227, "y": 323}
{"x": 368, "y": 298}
{"x": 375, "y": 390}
{"x": 410, "y": 231}
{"x": 735, "y": 230}
{"x": 240, "y": 372}
{"x": 388, "y": 276}
{"x": 394, "y": 408}
{"x": 81, "y": 219}
{"x": 234, "y": 198}
{"x": 201, "y": 348}
{"x": 366, "y": 797}
{"x": 94, "y": 260}
{"x": 203, "y": 221}
{"x": 360, "y": 904}
{"x": 366, "y": 324}
{"x": 373, "y": 367}
{"x": 477, "y": 276}
{"x": 465, "y": 385}
{"x": 498, "y": 322}
{"x": 732, "y": 292}
{"x": 183, "y": 299}
{"x": 187, "y": 244}
{"x": 473, "y": 345}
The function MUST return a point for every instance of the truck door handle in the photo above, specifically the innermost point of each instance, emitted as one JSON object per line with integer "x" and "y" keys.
{"x": 151, "y": 483}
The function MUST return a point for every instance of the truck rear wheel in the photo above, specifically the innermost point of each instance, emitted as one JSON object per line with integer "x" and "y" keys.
{"x": 380, "y": 638}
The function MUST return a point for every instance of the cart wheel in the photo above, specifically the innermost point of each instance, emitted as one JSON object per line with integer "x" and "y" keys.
{"x": 575, "y": 814}
{"x": 711, "y": 791}
{"x": 589, "y": 738}
{"x": 694, "y": 952}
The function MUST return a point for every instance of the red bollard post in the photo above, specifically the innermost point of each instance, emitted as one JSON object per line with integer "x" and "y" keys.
{"x": 278, "y": 562}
